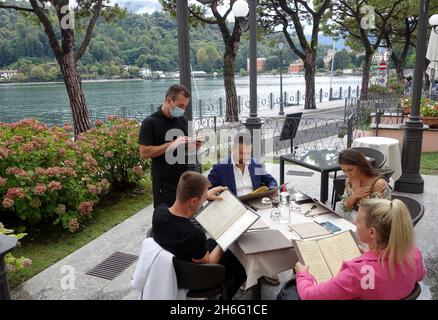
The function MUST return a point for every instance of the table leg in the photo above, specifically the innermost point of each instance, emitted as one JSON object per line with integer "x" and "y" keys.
{"x": 281, "y": 171}
{"x": 324, "y": 187}
{"x": 256, "y": 290}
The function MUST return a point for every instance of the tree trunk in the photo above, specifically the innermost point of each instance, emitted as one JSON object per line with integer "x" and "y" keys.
{"x": 366, "y": 73}
{"x": 309, "y": 76}
{"x": 81, "y": 122}
{"x": 399, "y": 68}
{"x": 232, "y": 113}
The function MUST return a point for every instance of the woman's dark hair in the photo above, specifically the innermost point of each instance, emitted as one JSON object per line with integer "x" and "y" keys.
{"x": 356, "y": 158}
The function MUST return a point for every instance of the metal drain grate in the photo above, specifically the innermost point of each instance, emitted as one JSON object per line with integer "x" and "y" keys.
{"x": 113, "y": 266}
{"x": 300, "y": 173}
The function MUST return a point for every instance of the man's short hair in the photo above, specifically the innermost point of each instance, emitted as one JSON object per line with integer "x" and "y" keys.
{"x": 242, "y": 138}
{"x": 191, "y": 185}
{"x": 176, "y": 90}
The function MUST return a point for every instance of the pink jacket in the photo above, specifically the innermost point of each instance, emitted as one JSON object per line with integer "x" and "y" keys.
{"x": 351, "y": 283}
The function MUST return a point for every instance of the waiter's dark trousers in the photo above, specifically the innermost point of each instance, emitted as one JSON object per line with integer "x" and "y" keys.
{"x": 164, "y": 192}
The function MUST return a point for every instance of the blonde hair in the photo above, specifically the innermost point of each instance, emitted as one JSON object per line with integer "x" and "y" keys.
{"x": 395, "y": 231}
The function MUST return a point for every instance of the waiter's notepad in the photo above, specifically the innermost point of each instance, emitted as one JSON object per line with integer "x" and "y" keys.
{"x": 225, "y": 220}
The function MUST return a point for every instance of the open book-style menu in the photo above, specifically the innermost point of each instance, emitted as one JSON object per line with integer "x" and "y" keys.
{"x": 225, "y": 220}
{"x": 325, "y": 256}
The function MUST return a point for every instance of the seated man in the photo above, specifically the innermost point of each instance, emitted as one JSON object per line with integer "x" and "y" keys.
{"x": 174, "y": 232}
{"x": 240, "y": 172}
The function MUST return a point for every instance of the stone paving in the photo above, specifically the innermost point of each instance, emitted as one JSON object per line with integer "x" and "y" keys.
{"x": 127, "y": 236}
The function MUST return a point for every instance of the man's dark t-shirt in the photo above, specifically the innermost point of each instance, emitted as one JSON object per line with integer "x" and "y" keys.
{"x": 153, "y": 133}
{"x": 178, "y": 235}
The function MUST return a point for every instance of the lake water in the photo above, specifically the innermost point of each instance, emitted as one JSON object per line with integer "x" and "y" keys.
{"x": 106, "y": 97}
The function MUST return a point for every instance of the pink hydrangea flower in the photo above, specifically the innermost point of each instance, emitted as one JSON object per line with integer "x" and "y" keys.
{"x": 36, "y": 203}
{"x": 27, "y": 263}
{"x": 98, "y": 123}
{"x": 85, "y": 208}
{"x": 60, "y": 209}
{"x": 14, "y": 193}
{"x": 40, "y": 189}
{"x": 40, "y": 171}
{"x": 73, "y": 225}
{"x": 3, "y": 181}
{"x": 138, "y": 170}
{"x": 68, "y": 127}
{"x": 54, "y": 186}
{"x": 7, "y": 203}
{"x": 109, "y": 154}
{"x": 16, "y": 171}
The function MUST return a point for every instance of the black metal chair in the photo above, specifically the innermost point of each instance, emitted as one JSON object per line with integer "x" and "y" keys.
{"x": 415, "y": 293}
{"x": 338, "y": 189}
{"x": 378, "y": 156}
{"x": 203, "y": 280}
{"x": 387, "y": 173}
{"x": 415, "y": 208}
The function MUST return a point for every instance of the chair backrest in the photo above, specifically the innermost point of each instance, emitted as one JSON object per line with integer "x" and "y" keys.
{"x": 378, "y": 156}
{"x": 415, "y": 293}
{"x": 387, "y": 173}
{"x": 203, "y": 278}
{"x": 415, "y": 208}
{"x": 197, "y": 276}
{"x": 339, "y": 186}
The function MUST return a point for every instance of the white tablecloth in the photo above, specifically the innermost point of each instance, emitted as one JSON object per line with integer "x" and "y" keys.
{"x": 273, "y": 262}
{"x": 389, "y": 147}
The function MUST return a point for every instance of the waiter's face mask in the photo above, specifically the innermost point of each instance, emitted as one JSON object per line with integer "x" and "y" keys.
{"x": 177, "y": 112}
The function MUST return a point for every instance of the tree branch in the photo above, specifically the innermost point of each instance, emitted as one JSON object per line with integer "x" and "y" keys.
{"x": 7, "y": 6}
{"x": 48, "y": 28}
{"x": 89, "y": 33}
{"x": 201, "y": 18}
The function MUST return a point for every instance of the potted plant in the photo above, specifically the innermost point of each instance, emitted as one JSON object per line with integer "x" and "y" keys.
{"x": 405, "y": 104}
{"x": 429, "y": 113}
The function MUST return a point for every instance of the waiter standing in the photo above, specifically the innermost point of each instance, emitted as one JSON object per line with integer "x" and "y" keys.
{"x": 162, "y": 136}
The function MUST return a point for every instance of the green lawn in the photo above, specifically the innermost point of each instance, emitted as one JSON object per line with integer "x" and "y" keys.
{"x": 50, "y": 245}
{"x": 429, "y": 163}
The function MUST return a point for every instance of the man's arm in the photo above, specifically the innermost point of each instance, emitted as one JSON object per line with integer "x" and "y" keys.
{"x": 147, "y": 152}
{"x": 211, "y": 257}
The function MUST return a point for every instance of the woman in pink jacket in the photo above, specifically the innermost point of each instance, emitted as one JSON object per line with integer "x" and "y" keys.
{"x": 387, "y": 271}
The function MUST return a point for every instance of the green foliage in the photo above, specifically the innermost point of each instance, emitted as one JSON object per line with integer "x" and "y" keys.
{"x": 342, "y": 60}
{"x": 45, "y": 176}
{"x": 243, "y": 72}
{"x": 375, "y": 88}
{"x": 15, "y": 264}
{"x": 140, "y": 41}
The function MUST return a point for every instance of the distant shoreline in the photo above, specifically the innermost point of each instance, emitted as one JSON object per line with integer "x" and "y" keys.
{"x": 5, "y": 83}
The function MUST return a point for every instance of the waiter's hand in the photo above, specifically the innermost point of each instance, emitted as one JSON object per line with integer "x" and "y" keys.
{"x": 212, "y": 193}
{"x": 199, "y": 140}
{"x": 179, "y": 141}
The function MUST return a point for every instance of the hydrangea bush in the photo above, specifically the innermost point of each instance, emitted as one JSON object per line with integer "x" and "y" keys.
{"x": 47, "y": 176}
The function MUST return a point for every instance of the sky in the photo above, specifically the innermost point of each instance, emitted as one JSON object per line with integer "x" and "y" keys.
{"x": 140, "y": 6}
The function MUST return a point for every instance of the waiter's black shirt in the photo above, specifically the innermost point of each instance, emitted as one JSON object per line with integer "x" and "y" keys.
{"x": 153, "y": 133}
{"x": 178, "y": 235}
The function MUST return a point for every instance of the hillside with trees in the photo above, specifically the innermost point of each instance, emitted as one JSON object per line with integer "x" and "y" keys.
{"x": 139, "y": 41}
